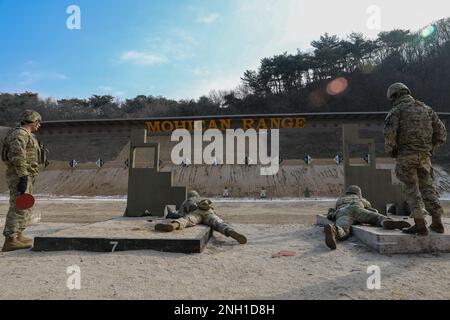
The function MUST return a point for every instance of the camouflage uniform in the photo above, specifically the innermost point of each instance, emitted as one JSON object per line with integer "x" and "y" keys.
{"x": 351, "y": 209}
{"x": 412, "y": 132}
{"x": 23, "y": 157}
{"x": 196, "y": 211}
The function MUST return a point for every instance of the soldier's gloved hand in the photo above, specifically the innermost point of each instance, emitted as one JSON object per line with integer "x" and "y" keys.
{"x": 174, "y": 216}
{"x": 331, "y": 214}
{"x": 22, "y": 185}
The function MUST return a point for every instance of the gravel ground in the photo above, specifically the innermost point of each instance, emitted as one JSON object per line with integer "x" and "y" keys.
{"x": 225, "y": 270}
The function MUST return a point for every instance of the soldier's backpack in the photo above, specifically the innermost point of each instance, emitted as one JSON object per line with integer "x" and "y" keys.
{"x": 4, "y": 151}
{"x": 5, "y": 148}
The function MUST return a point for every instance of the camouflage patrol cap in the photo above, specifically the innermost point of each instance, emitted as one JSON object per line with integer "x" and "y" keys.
{"x": 30, "y": 116}
{"x": 354, "y": 190}
{"x": 193, "y": 194}
{"x": 396, "y": 88}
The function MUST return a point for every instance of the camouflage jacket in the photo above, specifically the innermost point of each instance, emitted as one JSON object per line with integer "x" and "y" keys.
{"x": 413, "y": 127}
{"x": 352, "y": 199}
{"x": 202, "y": 205}
{"x": 22, "y": 152}
{"x": 188, "y": 206}
{"x": 349, "y": 200}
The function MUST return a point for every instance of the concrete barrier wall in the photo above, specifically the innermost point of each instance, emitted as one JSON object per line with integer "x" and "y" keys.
{"x": 324, "y": 180}
{"x": 322, "y": 139}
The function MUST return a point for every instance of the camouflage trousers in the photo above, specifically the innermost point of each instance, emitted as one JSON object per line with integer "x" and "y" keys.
{"x": 350, "y": 215}
{"x": 416, "y": 173}
{"x": 16, "y": 220}
{"x": 208, "y": 218}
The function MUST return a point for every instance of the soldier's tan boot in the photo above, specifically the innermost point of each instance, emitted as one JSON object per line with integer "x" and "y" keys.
{"x": 237, "y": 236}
{"x": 419, "y": 228}
{"x": 437, "y": 225}
{"x": 12, "y": 244}
{"x": 330, "y": 236}
{"x": 167, "y": 227}
{"x": 393, "y": 225}
{"x": 24, "y": 240}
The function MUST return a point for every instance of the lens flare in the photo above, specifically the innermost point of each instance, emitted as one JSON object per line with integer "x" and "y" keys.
{"x": 337, "y": 86}
{"x": 428, "y": 31}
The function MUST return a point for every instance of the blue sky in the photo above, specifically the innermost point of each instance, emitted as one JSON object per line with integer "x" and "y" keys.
{"x": 177, "y": 49}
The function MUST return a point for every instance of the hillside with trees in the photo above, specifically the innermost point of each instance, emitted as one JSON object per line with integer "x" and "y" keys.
{"x": 290, "y": 83}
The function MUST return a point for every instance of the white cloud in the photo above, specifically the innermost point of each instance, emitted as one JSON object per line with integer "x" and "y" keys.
{"x": 285, "y": 25}
{"x": 105, "y": 88}
{"x": 30, "y": 77}
{"x": 30, "y": 63}
{"x": 143, "y": 58}
{"x": 205, "y": 85}
{"x": 262, "y": 28}
{"x": 199, "y": 71}
{"x": 178, "y": 44}
{"x": 184, "y": 36}
{"x": 110, "y": 91}
{"x": 209, "y": 18}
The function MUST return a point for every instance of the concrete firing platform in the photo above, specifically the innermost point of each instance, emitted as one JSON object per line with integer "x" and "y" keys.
{"x": 125, "y": 234}
{"x": 396, "y": 242}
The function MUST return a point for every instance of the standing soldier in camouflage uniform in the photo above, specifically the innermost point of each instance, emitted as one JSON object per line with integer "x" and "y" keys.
{"x": 196, "y": 210}
{"x": 413, "y": 132}
{"x": 22, "y": 154}
{"x": 352, "y": 209}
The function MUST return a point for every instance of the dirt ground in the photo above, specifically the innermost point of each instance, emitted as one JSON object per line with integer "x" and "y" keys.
{"x": 89, "y": 210}
{"x": 225, "y": 270}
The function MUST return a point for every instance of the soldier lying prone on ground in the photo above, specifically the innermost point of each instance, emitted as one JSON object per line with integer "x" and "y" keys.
{"x": 352, "y": 209}
{"x": 194, "y": 211}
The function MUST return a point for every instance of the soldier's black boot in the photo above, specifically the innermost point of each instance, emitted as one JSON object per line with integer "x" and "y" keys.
{"x": 437, "y": 225}
{"x": 330, "y": 236}
{"x": 420, "y": 228}
{"x": 393, "y": 225}
{"x": 236, "y": 236}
